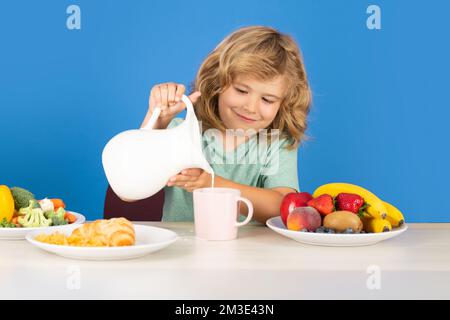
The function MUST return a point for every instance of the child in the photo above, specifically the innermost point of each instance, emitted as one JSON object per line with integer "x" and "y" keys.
{"x": 254, "y": 80}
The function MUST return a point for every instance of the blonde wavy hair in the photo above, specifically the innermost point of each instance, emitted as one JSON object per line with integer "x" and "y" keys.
{"x": 264, "y": 53}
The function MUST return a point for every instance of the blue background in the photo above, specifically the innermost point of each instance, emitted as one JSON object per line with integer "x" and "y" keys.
{"x": 380, "y": 113}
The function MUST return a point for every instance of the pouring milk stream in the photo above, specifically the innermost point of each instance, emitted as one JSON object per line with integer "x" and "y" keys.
{"x": 139, "y": 162}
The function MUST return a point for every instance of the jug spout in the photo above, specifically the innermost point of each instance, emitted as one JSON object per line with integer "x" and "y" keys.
{"x": 198, "y": 159}
{"x": 202, "y": 163}
{"x": 206, "y": 166}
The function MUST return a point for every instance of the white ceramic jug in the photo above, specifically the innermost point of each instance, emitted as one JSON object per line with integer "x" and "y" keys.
{"x": 138, "y": 163}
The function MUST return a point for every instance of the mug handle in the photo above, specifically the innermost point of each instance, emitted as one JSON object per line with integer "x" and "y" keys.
{"x": 250, "y": 211}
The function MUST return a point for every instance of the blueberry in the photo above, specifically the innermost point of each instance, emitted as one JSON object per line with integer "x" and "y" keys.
{"x": 320, "y": 230}
{"x": 304, "y": 230}
{"x": 348, "y": 230}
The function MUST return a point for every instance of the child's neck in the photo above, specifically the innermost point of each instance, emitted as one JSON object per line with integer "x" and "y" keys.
{"x": 232, "y": 141}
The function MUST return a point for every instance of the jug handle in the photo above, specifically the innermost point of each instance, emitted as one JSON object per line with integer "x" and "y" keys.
{"x": 157, "y": 111}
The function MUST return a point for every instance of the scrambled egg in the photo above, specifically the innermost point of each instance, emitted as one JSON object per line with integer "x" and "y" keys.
{"x": 59, "y": 238}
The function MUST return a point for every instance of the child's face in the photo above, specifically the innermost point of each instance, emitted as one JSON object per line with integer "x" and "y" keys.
{"x": 251, "y": 104}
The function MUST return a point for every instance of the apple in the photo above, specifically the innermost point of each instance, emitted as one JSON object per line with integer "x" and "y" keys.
{"x": 291, "y": 201}
{"x": 304, "y": 218}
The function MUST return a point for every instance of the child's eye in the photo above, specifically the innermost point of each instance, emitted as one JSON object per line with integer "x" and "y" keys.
{"x": 240, "y": 91}
{"x": 268, "y": 101}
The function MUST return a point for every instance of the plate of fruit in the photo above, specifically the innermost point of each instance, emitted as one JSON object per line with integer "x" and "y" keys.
{"x": 337, "y": 214}
{"x": 21, "y": 213}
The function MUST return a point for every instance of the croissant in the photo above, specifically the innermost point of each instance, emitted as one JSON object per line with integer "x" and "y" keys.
{"x": 110, "y": 233}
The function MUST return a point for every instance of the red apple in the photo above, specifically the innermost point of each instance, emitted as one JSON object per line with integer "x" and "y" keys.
{"x": 291, "y": 201}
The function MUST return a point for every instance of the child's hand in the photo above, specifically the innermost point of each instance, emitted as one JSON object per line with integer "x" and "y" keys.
{"x": 191, "y": 179}
{"x": 167, "y": 96}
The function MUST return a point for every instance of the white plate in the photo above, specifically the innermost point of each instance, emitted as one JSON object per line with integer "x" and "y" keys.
{"x": 334, "y": 240}
{"x": 148, "y": 239}
{"x": 20, "y": 233}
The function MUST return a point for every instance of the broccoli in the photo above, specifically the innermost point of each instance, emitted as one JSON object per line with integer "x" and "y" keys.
{"x": 5, "y": 224}
{"x": 57, "y": 217}
{"x": 33, "y": 217}
{"x": 21, "y": 197}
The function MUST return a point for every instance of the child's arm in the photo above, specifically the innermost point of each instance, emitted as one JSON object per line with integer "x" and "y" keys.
{"x": 266, "y": 202}
{"x": 161, "y": 123}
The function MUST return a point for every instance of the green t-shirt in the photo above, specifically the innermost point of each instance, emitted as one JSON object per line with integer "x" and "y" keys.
{"x": 261, "y": 165}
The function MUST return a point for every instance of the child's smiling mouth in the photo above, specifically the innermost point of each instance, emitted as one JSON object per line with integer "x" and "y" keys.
{"x": 248, "y": 120}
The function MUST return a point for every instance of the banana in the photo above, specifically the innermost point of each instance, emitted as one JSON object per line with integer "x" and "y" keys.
{"x": 376, "y": 208}
{"x": 376, "y": 225}
{"x": 394, "y": 216}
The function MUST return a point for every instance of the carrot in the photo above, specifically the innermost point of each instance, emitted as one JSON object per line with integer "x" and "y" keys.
{"x": 70, "y": 217}
{"x": 58, "y": 203}
{"x": 15, "y": 220}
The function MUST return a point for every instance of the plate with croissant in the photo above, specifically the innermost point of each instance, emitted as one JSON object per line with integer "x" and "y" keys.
{"x": 104, "y": 239}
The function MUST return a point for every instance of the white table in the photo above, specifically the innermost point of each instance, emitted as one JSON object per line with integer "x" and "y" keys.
{"x": 260, "y": 264}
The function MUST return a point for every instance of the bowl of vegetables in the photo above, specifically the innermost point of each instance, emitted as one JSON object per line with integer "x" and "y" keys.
{"x": 21, "y": 213}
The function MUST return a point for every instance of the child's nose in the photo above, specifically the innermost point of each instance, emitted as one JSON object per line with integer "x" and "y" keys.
{"x": 252, "y": 105}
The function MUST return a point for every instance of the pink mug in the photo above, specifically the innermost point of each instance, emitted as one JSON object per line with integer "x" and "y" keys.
{"x": 216, "y": 213}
